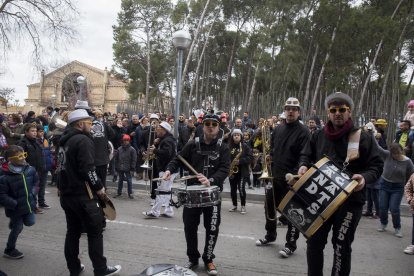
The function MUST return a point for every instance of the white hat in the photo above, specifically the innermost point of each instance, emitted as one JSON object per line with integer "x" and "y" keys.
{"x": 236, "y": 131}
{"x": 165, "y": 126}
{"x": 78, "y": 114}
{"x": 291, "y": 101}
{"x": 82, "y": 105}
{"x": 154, "y": 116}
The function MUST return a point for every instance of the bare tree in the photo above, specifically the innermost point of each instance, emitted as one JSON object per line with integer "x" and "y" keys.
{"x": 41, "y": 22}
{"x": 7, "y": 94}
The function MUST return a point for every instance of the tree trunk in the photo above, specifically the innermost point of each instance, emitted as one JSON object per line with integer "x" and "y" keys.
{"x": 229, "y": 68}
{"x": 307, "y": 91}
{"x": 254, "y": 84}
{"x": 371, "y": 69}
{"x": 328, "y": 53}
{"x": 190, "y": 102}
{"x": 407, "y": 91}
{"x": 195, "y": 40}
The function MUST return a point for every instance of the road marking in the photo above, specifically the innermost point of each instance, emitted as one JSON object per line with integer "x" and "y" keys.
{"x": 177, "y": 229}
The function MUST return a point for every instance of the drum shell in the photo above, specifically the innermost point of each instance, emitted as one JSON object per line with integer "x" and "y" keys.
{"x": 198, "y": 196}
{"x": 316, "y": 196}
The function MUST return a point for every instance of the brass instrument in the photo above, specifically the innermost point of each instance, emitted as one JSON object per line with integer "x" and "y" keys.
{"x": 147, "y": 155}
{"x": 234, "y": 166}
{"x": 267, "y": 173}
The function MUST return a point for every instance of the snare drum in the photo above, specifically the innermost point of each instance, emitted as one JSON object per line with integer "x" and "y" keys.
{"x": 316, "y": 196}
{"x": 198, "y": 196}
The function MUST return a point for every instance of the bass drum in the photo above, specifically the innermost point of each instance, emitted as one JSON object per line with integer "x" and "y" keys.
{"x": 316, "y": 196}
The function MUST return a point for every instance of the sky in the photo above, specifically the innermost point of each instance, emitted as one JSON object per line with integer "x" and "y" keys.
{"x": 94, "y": 46}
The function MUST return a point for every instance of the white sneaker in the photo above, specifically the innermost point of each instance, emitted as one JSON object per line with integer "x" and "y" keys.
{"x": 397, "y": 233}
{"x": 234, "y": 209}
{"x": 243, "y": 210}
{"x": 409, "y": 250}
{"x": 382, "y": 228}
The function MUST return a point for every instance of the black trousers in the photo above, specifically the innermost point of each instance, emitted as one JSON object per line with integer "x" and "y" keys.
{"x": 82, "y": 211}
{"x": 343, "y": 224}
{"x": 191, "y": 218}
{"x": 101, "y": 172}
{"x": 273, "y": 198}
{"x": 236, "y": 183}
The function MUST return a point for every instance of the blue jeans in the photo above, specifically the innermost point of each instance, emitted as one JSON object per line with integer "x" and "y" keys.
{"x": 122, "y": 176}
{"x": 16, "y": 224}
{"x": 390, "y": 197}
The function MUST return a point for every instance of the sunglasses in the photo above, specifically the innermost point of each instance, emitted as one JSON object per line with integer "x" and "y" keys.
{"x": 213, "y": 124}
{"x": 411, "y": 106}
{"x": 291, "y": 108}
{"x": 341, "y": 109}
{"x": 20, "y": 156}
{"x": 87, "y": 122}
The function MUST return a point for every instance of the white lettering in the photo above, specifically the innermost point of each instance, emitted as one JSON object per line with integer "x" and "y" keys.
{"x": 332, "y": 188}
{"x": 313, "y": 208}
{"x": 312, "y": 188}
{"x": 323, "y": 197}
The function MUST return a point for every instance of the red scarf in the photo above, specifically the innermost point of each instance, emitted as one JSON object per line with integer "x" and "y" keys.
{"x": 333, "y": 134}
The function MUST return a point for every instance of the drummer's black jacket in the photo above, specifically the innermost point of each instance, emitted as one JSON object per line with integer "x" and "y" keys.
{"x": 369, "y": 164}
{"x": 218, "y": 167}
{"x": 76, "y": 163}
{"x": 165, "y": 151}
{"x": 287, "y": 141}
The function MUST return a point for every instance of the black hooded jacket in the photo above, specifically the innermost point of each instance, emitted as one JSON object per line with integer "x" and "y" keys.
{"x": 165, "y": 151}
{"x": 369, "y": 164}
{"x": 219, "y": 163}
{"x": 76, "y": 163}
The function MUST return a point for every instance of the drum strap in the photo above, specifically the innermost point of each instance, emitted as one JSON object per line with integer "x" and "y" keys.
{"x": 353, "y": 147}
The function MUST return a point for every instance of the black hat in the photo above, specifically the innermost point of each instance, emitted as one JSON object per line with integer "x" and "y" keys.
{"x": 211, "y": 117}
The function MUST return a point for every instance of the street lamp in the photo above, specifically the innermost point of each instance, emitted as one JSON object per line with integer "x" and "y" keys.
{"x": 53, "y": 97}
{"x": 82, "y": 87}
{"x": 181, "y": 40}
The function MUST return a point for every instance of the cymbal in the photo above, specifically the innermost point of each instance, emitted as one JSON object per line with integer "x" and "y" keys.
{"x": 185, "y": 178}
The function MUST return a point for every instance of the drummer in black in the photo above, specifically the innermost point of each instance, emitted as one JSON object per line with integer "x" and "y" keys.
{"x": 286, "y": 143}
{"x": 365, "y": 167}
{"x": 210, "y": 157}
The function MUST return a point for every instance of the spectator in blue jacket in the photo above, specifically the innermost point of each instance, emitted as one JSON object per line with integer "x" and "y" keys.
{"x": 17, "y": 193}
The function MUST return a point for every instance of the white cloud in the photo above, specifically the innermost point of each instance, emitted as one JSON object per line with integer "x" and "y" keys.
{"x": 94, "y": 46}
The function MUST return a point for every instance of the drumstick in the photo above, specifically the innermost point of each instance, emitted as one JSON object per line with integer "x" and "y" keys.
{"x": 187, "y": 164}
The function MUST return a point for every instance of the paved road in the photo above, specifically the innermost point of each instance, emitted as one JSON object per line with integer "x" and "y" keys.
{"x": 136, "y": 243}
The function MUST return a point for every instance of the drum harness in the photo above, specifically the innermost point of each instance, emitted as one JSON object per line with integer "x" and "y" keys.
{"x": 207, "y": 155}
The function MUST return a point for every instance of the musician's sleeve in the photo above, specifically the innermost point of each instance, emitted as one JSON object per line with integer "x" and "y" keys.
{"x": 223, "y": 166}
{"x": 373, "y": 161}
{"x": 186, "y": 152}
{"x": 86, "y": 159}
{"x": 308, "y": 153}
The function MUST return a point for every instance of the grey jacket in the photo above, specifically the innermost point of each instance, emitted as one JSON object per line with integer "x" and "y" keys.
{"x": 125, "y": 158}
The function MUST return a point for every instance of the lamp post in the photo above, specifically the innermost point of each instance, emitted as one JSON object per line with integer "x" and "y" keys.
{"x": 82, "y": 88}
{"x": 53, "y": 98}
{"x": 181, "y": 40}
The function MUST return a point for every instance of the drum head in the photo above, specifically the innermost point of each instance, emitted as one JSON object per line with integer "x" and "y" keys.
{"x": 167, "y": 269}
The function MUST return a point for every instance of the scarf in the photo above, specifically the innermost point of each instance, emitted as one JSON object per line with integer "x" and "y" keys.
{"x": 333, "y": 134}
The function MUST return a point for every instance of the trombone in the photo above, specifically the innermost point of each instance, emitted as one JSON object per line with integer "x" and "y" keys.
{"x": 147, "y": 155}
{"x": 267, "y": 173}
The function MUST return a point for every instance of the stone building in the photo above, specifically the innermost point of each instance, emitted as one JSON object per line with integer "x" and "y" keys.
{"x": 60, "y": 89}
